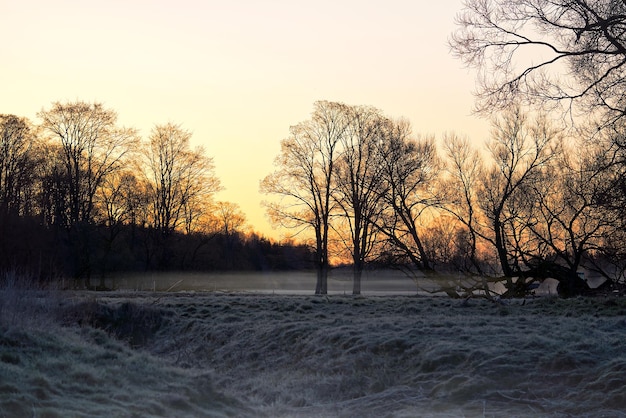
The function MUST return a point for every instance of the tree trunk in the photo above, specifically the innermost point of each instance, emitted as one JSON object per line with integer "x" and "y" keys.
{"x": 321, "y": 265}
{"x": 356, "y": 280}
{"x": 321, "y": 287}
{"x": 501, "y": 247}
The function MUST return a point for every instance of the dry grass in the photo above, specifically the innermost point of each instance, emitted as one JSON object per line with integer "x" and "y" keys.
{"x": 67, "y": 355}
{"x": 209, "y": 354}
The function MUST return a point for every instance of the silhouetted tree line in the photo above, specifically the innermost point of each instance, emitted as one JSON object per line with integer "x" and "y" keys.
{"x": 544, "y": 199}
{"x": 535, "y": 203}
{"x": 82, "y": 197}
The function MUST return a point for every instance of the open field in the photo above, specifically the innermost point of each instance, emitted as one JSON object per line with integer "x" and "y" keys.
{"x": 242, "y": 354}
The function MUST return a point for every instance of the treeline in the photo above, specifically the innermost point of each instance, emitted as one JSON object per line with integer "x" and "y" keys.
{"x": 534, "y": 203}
{"x": 82, "y": 197}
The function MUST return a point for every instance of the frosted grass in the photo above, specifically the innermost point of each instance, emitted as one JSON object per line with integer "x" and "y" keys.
{"x": 235, "y": 354}
{"x": 405, "y": 356}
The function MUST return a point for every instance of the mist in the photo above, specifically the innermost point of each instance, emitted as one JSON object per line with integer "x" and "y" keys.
{"x": 375, "y": 283}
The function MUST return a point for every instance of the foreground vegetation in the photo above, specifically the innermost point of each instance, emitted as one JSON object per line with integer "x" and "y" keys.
{"x": 220, "y": 354}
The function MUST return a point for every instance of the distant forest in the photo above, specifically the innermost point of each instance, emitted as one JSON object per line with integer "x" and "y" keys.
{"x": 83, "y": 198}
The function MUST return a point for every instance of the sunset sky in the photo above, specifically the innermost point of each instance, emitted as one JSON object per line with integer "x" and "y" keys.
{"x": 237, "y": 73}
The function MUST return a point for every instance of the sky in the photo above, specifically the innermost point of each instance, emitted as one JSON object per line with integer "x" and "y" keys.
{"x": 237, "y": 73}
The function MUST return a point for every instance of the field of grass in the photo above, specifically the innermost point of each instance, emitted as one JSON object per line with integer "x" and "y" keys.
{"x": 239, "y": 354}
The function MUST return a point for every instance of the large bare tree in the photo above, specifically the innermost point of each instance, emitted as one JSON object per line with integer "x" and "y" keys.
{"x": 567, "y": 57}
{"x": 304, "y": 179}
{"x": 360, "y": 186}
{"x": 520, "y": 150}
{"x": 499, "y": 201}
{"x": 570, "y": 220}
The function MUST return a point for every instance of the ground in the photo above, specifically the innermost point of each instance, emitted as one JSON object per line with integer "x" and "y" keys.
{"x": 241, "y": 354}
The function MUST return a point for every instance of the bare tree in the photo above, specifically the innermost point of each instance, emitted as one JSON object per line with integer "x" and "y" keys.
{"x": 465, "y": 170}
{"x": 570, "y": 221}
{"x": 229, "y": 218}
{"x": 359, "y": 179}
{"x": 180, "y": 179}
{"x": 538, "y": 204}
{"x": 568, "y": 56}
{"x": 304, "y": 179}
{"x": 119, "y": 199}
{"x": 521, "y": 152}
{"x": 410, "y": 168}
{"x": 92, "y": 147}
{"x": 547, "y": 52}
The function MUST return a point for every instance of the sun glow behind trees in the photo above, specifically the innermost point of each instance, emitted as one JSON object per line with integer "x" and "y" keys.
{"x": 357, "y": 182}
{"x": 523, "y": 210}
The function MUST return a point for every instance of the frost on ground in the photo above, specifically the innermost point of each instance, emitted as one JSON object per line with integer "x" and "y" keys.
{"x": 210, "y": 354}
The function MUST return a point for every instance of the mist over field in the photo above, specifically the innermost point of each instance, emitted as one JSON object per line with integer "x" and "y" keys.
{"x": 192, "y": 353}
{"x": 387, "y": 282}
{"x": 375, "y": 282}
